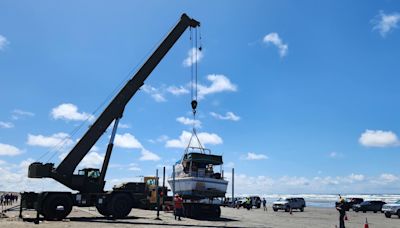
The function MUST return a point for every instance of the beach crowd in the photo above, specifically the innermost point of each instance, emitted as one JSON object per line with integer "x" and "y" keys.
{"x": 7, "y": 199}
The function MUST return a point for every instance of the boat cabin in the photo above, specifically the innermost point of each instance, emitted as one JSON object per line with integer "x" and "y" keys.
{"x": 202, "y": 165}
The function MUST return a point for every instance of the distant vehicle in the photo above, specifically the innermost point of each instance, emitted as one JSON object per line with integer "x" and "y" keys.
{"x": 372, "y": 205}
{"x": 349, "y": 203}
{"x": 255, "y": 201}
{"x": 391, "y": 209}
{"x": 289, "y": 203}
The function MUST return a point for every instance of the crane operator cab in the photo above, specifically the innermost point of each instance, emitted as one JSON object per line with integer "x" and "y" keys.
{"x": 90, "y": 173}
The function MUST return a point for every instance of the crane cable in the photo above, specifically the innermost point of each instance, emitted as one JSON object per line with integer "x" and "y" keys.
{"x": 194, "y": 83}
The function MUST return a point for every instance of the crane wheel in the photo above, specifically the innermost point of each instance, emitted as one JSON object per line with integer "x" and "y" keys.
{"x": 120, "y": 206}
{"x": 217, "y": 212}
{"x": 57, "y": 207}
{"x": 102, "y": 209}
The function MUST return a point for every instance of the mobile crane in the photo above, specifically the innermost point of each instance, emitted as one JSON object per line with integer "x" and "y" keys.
{"x": 89, "y": 183}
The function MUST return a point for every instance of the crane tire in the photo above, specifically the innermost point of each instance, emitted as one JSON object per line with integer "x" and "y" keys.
{"x": 57, "y": 206}
{"x": 120, "y": 205}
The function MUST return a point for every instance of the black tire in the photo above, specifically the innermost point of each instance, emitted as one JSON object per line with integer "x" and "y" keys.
{"x": 102, "y": 209}
{"x": 398, "y": 213}
{"x": 388, "y": 215}
{"x": 275, "y": 209}
{"x": 375, "y": 211}
{"x": 120, "y": 206}
{"x": 287, "y": 209}
{"x": 302, "y": 209}
{"x": 56, "y": 206}
{"x": 217, "y": 212}
{"x": 364, "y": 211}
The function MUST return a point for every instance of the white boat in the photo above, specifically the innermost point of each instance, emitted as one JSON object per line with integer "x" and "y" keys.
{"x": 197, "y": 176}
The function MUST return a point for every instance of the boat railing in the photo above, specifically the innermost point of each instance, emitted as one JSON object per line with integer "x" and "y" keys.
{"x": 192, "y": 149}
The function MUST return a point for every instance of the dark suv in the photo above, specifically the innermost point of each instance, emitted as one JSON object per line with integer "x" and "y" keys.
{"x": 349, "y": 203}
{"x": 373, "y": 205}
{"x": 289, "y": 203}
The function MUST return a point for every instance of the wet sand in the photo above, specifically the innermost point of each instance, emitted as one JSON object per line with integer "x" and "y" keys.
{"x": 311, "y": 217}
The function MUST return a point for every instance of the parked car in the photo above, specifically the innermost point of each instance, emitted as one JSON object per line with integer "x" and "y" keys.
{"x": 372, "y": 205}
{"x": 349, "y": 203}
{"x": 289, "y": 203}
{"x": 391, "y": 209}
{"x": 255, "y": 201}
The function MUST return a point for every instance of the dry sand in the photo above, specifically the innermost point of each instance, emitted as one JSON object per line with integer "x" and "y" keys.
{"x": 311, "y": 217}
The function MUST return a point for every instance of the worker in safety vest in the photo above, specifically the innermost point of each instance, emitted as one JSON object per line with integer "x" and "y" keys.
{"x": 178, "y": 205}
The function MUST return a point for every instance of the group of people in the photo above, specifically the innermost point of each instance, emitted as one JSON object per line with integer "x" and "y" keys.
{"x": 8, "y": 199}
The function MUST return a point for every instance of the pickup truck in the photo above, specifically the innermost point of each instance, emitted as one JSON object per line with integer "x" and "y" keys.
{"x": 391, "y": 209}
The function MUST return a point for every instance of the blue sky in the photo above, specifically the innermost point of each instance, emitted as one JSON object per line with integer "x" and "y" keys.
{"x": 299, "y": 97}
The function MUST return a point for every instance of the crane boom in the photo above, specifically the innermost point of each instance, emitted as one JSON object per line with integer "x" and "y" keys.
{"x": 114, "y": 111}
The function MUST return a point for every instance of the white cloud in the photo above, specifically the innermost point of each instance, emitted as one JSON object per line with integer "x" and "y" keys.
{"x": 92, "y": 160}
{"x": 385, "y": 23}
{"x": 134, "y": 167}
{"x": 388, "y": 178}
{"x": 155, "y": 93}
{"x": 148, "y": 156}
{"x": 3, "y": 42}
{"x": 355, "y": 177}
{"x": 254, "y": 156}
{"x": 6, "y": 124}
{"x": 68, "y": 111}
{"x": 194, "y": 55}
{"x": 378, "y": 138}
{"x": 188, "y": 121}
{"x": 228, "y": 116}
{"x": 9, "y": 150}
{"x": 333, "y": 155}
{"x": 56, "y": 140}
{"x": 18, "y": 114}
{"x": 219, "y": 83}
{"x": 274, "y": 38}
{"x": 183, "y": 141}
{"x": 177, "y": 90}
{"x": 127, "y": 141}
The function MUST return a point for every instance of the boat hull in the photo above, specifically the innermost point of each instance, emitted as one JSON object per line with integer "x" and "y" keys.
{"x": 199, "y": 187}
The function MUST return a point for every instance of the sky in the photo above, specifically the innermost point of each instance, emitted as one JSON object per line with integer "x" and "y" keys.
{"x": 298, "y": 96}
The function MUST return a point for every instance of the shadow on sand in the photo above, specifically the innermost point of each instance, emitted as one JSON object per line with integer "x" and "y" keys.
{"x": 128, "y": 221}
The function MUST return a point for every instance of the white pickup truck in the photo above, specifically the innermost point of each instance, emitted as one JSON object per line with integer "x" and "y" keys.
{"x": 391, "y": 209}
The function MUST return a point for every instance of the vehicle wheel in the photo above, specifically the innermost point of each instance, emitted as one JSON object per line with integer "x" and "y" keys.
{"x": 57, "y": 206}
{"x": 364, "y": 211}
{"x": 287, "y": 209}
{"x": 120, "y": 206}
{"x": 388, "y": 215}
{"x": 102, "y": 209}
{"x": 375, "y": 211}
{"x": 217, "y": 212}
{"x": 398, "y": 213}
{"x": 302, "y": 209}
{"x": 275, "y": 209}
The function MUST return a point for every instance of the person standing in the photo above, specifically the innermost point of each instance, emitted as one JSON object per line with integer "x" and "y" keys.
{"x": 178, "y": 205}
{"x": 342, "y": 212}
{"x": 264, "y": 202}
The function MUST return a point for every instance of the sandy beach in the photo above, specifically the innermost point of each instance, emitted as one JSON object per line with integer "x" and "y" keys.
{"x": 311, "y": 217}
